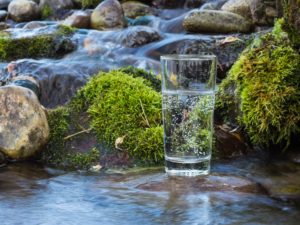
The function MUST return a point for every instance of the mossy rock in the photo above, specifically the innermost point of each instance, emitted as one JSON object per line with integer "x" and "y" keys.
{"x": 291, "y": 10}
{"x": 262, "y": 90}
{"x": 114, "y": 113}
{"x": 52, "y": 43}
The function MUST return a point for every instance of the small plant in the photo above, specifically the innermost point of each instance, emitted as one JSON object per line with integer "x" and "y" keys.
{"x": 46, "y": 12}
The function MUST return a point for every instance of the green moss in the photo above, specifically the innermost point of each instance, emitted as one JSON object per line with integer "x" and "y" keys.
{"x": 264, "y": 84}
{"x": 123, "y": 112}
{"x": 61, "y": 122}
{"x": 46, "y": 45}
{"x": 64, "y": 30}
{"x": 151, "y": 79}
{"x": 90, "y": 3}
{"x": 123, "y": 107}
{"x": 46, "y": 11}
{"x": 291, "y": 22}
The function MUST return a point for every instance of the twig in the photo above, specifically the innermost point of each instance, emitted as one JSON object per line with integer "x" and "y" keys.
{"x": 80, "y": 132}
{"x": 145, "y": 116}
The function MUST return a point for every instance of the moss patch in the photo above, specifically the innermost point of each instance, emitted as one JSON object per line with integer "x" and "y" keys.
{"x": 262, "y": 88}
{"x": 125, "y": 110}
{"x": 43, "y": 45}
{"x": 114, "y": 110}
{"x": 90, "y": 3}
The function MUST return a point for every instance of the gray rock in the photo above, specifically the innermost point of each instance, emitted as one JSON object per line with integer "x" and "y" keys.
{"x": 23, "y": 10}
{"x": 3, "y": 15}
{"x": 213, "y": 21}
{"x": 139, "y": 35}
{"x": 240, "y": 7}
{"x": 108, "y": 15}
{"x": 24, "y": 127}
{"x": 79, "y": 19}
{"x": 133, "y": 9}
{"x": 4, "y": 4}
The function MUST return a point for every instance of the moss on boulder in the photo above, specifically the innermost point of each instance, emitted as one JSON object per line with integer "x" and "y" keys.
{"x": 119, "y": 111}
{"x": 47, "y": 44}
{"x": 291, "y": 10}
{"x": 262, "y": 90}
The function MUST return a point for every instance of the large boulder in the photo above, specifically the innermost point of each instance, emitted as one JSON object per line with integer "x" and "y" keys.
{"x": 241, "y": 7}
{"x": 134, "y": 9}
{"x": 214, "y": 21}
{"x": 23, "y": 10}
{"x": 108, "y": 15}
{"x": 23, "y": 123}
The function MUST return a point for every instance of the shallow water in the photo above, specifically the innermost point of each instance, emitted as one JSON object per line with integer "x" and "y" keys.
{"x": 33, "y": 194}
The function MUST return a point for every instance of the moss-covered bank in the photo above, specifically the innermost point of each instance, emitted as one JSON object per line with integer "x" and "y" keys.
{"x": 52, "y": 44}
{"x": 262, "y": 90}
{"x": 121, "y": 109}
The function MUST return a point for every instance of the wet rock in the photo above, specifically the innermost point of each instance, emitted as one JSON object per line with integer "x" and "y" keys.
{"x": 211, "y": 183}
{"x": 240, "y": 7}
{"x": 79, "y": 19}
{"x": 3, "y": 15}
{"x": 230, "y": 142}
{"x": 23, "y": 10}
{"x": 282, "y": 180}
{"x": 134, "y": 9}
{"x": 108, "y": 15}
{"x": 139, "y": 35}
{"x": 58, "y": 81}
{"x": 24, "y": 127}
{"x": 34, "y": 25}
{"x": 4, "y": 26}
{"x": 48, "y": 42}
{"x": 4, "y": 4}
{"x": 214, "y": 21}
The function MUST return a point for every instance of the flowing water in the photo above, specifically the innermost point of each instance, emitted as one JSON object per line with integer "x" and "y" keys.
{"x": 33, "y": 194}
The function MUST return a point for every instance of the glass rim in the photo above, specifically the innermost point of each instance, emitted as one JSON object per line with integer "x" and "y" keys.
{"x": 200, "y": 56}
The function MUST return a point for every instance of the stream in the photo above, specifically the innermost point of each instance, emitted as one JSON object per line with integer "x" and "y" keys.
{"x": 241, "y": 191}
{"x": 33, "y": 194}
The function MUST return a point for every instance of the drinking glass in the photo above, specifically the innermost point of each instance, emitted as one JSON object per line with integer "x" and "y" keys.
{"x": 188, "y": 89}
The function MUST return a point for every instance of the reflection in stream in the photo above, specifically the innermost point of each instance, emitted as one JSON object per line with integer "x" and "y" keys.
{"x": 32, "y": 194}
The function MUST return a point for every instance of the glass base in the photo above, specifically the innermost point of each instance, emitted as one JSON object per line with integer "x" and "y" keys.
{"x": 187, "y": 169}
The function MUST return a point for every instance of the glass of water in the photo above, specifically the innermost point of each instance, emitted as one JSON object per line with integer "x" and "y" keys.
{"x": 188, "y": 88}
